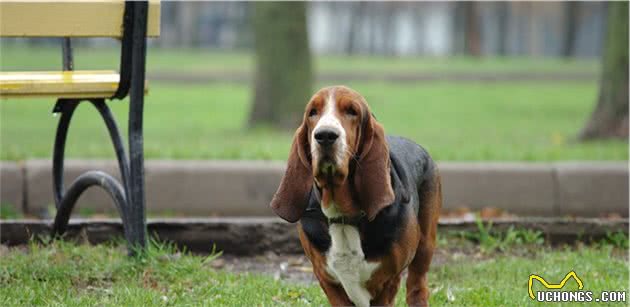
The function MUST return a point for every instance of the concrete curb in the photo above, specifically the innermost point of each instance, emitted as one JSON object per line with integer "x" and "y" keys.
{"x": 12, "y": 186}
{"x": 258, "y": 235}
{"x": 244, "y": 188}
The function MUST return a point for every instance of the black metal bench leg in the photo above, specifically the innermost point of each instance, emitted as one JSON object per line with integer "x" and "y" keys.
{"x": 137, "y": 213}
{"x": 65, "y": 201}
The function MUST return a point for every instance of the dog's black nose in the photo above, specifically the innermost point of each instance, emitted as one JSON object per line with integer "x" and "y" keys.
{"x": 326, "y": 137}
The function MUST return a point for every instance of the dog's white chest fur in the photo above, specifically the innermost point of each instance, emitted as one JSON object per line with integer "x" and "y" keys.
{"x": 346, "y": 263}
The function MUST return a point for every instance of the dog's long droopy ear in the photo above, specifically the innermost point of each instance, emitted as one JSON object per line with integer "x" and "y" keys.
{"x": 292, "y": 196}
{"x": 372, "y": 180}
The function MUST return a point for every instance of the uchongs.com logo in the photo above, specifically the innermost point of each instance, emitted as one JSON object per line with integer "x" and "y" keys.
{"x": 558, "y": 295}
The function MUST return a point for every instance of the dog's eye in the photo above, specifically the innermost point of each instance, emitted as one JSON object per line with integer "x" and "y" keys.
{"x": 312, "y": 112}
{"x": 351, "y": 112}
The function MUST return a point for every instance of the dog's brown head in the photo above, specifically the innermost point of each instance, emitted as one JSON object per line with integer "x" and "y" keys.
{"x": 337, "y": 140}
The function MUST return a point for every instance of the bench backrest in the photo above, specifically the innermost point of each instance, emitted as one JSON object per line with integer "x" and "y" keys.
{"x": 83, "y": 18}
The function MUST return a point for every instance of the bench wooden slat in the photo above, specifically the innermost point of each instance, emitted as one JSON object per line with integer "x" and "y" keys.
{"x": 61, "y": 84}
{"x": 83, "y": 18}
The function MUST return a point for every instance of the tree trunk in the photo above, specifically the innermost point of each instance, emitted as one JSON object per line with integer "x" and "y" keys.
{"x": 570, "y": 25}
{"x": 373, "y": 20}
{"x": 473, "y": 39}
{"x": 389, "y": 28}
{"x": 283, "y": 64}
{"x": 610, "y": 117}
{"x": 459, "y": 28}
{"x": 503, "y": 21}
{"x": 188, "y": 13}
{"x": 357, "y": 12}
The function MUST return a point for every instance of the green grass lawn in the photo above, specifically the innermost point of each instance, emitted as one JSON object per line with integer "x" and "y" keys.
{"x": 522, "y": 121}
{"x": 65, "y": 274}
{"x": 20, "y": 58}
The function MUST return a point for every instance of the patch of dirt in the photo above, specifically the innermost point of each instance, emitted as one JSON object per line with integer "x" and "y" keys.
{"x": 292, "y": 268}
{"x": 297, "y": 268}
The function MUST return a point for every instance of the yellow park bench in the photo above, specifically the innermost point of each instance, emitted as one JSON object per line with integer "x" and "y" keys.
{"x": 131, "y": 23}
{"x": 25, "y": 18}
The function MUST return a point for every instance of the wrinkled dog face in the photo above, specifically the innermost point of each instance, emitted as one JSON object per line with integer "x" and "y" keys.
{"x": 333, "y": 119}
{"x": 338, "y": 134}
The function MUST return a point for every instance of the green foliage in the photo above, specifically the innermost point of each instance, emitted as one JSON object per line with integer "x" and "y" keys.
{"x": 7, "y": 211}
{"x": 86, "y": 211}
{"x": 491, "y": 240}
{"x": 617, "y": 239}
{"x": 442, "y": 239}
{"x": 530, "y": 236}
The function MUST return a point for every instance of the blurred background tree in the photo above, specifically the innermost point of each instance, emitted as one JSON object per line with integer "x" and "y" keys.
{"x": 610, "y": 117}
{"x": 570, "y": 28}
{"x": 466, "y": 23}
{"x": 283, "y": 78}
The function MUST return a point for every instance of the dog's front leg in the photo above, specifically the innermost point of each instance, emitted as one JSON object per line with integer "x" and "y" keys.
{"x": 335, "y": 294}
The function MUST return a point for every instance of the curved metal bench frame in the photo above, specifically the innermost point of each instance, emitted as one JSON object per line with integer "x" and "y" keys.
{"x": 129, "y": 197}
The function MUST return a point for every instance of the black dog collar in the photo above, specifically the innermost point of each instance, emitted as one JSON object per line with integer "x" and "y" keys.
{"x": 344, "y": 220}
{"x": 348, "y": 220}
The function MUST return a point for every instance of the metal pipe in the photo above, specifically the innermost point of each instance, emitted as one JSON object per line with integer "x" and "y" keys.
{"x": 68, "y": 58}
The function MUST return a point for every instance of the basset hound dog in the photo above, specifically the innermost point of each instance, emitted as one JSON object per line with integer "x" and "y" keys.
{"x": 367, "y": 204}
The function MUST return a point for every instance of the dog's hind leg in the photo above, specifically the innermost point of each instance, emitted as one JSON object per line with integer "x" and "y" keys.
{"x": 430, "y": 205}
